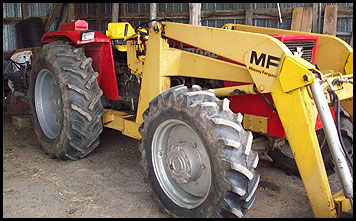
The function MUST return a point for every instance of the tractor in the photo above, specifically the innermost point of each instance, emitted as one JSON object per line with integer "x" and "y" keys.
{"x": 202, "y": 101}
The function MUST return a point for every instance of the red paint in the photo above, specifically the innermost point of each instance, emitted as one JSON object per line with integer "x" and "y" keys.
{"x": 99, "y": 49}
{"x": 254, "y": 104}
{"x": 318, "y": 124}
{"x": 289, "y": 37}
{"x": 75, "y": 25}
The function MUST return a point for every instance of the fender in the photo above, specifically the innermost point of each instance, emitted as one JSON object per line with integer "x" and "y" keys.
{"x": 99, "y": 49}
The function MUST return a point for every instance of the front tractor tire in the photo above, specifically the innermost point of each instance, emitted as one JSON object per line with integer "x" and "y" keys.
{"x": 196, "y": 155}
{"x": 65, "y": 101}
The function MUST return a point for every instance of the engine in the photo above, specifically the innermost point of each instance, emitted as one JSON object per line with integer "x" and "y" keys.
{"x": 128, "y": 86}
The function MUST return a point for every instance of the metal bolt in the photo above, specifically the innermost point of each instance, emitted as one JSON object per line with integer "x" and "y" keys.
{"x": 203, "y": 166}
{"x": 195, "y": 145}
{"x": 261, "y": 87}
{"x": 306, "y": 78}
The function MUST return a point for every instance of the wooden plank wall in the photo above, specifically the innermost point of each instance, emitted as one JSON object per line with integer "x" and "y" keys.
{"x": 330, "y": 20}
{"x": 260, "y": 13}
{"x": 332, "y": 12}
{"x": 302, "y": 19}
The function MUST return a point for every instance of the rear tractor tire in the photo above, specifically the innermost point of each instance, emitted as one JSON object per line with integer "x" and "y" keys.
{"x": 65, "y": 103}
{"x": 196, "y": 155}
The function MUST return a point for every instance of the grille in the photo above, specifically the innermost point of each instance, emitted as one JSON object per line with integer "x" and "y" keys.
{"x": 305, "y": 47}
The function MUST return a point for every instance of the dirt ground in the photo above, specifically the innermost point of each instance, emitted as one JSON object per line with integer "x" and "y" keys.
{"x": 109, "y": 182}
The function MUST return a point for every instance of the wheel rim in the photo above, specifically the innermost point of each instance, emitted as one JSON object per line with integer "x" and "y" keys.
{"x": 48, "y": 104}
{"x": 181, "y": 163}
{"x": 287, "y": 150}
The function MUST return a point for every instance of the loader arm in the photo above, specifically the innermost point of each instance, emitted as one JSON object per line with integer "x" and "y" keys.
{"x": 264, "y": 64}
{"x": 332, "y": 53}
{"x": 297, "y": 112}
{"x": 259, "y": 54}
{"x": 342, "y": 53}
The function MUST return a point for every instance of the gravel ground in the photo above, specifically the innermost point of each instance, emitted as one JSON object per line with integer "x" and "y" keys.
{"x": 109, "y": 182}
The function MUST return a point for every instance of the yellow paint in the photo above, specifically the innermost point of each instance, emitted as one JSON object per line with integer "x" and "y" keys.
{"x": 238, "y": 46}
{"x": 304, "y": 144}
{"x": 342, "y": 204}
{"x": 182, "y": 63}
{"x": 349, "y": 107}
{"x": 349, "y": 67}
{"x": 135, "y": 63}
{"x": 108, "y": 117}
{"x": 255, "y": 123}
{"x": 248, "y": 45}
{"x": 153, "y": 82}
{"x": 234, "y": 90}
{"x": 117, "y": 31}
{"x": 332, "y": 52}
{"x": 346, "y": 92}
{"x": 121, "y": 121}
{"x": 291, "y": 76}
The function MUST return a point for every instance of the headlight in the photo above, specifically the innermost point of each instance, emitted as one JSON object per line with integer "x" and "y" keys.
{"x": 88, "y": 35}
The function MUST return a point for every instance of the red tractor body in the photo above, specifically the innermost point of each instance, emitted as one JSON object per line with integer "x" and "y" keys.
{"x": 98, "y": 48}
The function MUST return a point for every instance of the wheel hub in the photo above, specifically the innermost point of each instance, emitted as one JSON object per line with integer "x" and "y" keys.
{"x": 55, "y": 104}
{"x": 48, "y": 104}
{"x": 183, "y": 162}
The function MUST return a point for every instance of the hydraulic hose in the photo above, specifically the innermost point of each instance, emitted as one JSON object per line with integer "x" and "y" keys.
{"x": 333, "y": 139}
{"x": 336, "y": 103}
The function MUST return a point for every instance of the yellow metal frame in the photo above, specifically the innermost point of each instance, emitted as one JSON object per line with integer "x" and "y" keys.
{"x": 342, "y": 53}
{"x": 341, "y": 203}
{"x": 286, "y": 78}
{"x": 255, "y": 123}
{"x": 121, "y": 121}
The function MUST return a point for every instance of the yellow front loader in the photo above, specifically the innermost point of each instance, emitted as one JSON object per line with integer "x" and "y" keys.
{"x": 176, "y": 89}
{"x": 289, "y": 83}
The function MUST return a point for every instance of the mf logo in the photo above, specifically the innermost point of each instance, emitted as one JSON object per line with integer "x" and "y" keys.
{"x": 298, "y": 52}
{"x": 270, "y": 61}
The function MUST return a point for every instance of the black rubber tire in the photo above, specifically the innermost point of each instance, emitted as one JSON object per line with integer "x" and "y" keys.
{"x": 80, "y": 96}
{"x": 288, "y": 164}
{"x": 202, "y": 111}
